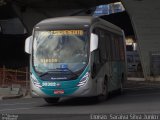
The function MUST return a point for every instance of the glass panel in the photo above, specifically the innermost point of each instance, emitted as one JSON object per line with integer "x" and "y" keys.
{"x": 60, "y": 49}
{"x": 130, "y": 58}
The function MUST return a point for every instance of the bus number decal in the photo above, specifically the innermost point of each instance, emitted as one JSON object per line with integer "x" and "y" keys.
{"x": 49, "y": 84}
{"x": 52, "y": 60}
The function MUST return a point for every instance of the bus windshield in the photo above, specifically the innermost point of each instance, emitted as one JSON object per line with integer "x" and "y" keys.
{"x": 58, "y": 49}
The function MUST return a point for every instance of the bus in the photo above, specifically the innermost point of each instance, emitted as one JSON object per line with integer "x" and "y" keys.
{"x": 78, "y": 56}
{"x": 133, "y": 61}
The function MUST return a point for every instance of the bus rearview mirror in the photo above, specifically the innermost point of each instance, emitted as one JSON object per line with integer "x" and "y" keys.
{"x": 28, "y": 45}
{"x": 93, "y": 42}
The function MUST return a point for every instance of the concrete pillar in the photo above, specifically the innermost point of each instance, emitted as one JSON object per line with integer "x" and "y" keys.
{"x": 145, "y": 17}
{"x": 31, "y": 16}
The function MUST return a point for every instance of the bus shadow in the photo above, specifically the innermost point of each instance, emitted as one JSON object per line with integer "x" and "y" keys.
{"x": 75, "y": 102}
{"x": 83, "y": 101}
{"x": 128, "y": 96}
{"x": 87, "y": 101}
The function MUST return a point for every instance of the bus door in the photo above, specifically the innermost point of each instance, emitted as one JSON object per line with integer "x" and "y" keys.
{"x": 108, "y": 59}
{"x": 115, "y": 65}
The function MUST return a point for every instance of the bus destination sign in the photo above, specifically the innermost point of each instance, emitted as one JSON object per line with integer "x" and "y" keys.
{"x": 67, "y": 32}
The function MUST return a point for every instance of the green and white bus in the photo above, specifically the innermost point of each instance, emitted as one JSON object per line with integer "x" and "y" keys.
{"x": 78, "y": 56}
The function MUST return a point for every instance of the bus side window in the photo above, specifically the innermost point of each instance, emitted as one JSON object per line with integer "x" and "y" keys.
{"x": 117, "y": 48}
{"x": 102, "y": 46}
{"x": 115, "y": 55}
{"x": 97, "y": 58}
{"x": 121, "y": 48}
{"x": 112, "y": 50}
{"x": 117, "y": 45}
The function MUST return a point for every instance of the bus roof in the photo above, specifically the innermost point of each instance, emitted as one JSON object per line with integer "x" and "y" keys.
{"x": 85, "y": 20}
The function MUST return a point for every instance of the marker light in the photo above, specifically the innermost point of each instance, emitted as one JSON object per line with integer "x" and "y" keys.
{"x": 35, "y": 81}
{"x": 84, "y": 80}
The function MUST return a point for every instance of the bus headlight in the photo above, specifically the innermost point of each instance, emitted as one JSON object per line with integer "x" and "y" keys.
{"x": 35, "y": 81}
{"x": 84, "y": 80}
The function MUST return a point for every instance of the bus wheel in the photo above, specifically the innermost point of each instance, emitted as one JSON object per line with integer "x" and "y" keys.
{"x": 51, "y": 100}
{"x": 105, "y": 92}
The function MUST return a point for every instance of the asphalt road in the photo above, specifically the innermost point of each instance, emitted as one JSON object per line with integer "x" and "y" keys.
{"x": 144, "y": 100}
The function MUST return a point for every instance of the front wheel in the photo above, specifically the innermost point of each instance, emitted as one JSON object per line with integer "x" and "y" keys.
{"x": 105, "y": 93}
{"x": 51, "y": 100}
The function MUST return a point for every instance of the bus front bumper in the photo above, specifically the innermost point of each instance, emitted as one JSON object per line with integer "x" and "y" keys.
{"x": 87, "y": 90}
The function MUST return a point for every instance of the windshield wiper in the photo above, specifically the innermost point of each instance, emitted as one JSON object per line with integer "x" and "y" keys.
{"x": 58, "y": 70}
{"x": 44, "y": 74}
{"x": 50, "y": 71}
{"x": 64, "y": 69}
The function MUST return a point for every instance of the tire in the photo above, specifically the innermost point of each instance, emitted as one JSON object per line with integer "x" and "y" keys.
{"x": 51, "y": 100}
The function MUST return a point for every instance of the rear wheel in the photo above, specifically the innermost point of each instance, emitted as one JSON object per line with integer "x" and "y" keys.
{"x": 51, "y": 100}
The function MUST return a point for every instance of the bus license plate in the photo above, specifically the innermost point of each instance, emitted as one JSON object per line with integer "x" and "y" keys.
{"x": 58, "y": 91}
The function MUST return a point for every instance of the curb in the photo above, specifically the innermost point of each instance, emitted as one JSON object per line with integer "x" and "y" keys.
{"x": 11, "y": 97}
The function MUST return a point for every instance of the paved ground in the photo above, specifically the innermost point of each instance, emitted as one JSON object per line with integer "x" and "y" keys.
{"x": 144, "y": 100}
{"x": 141, "y": 83}
{"x": 138, "y": 97}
